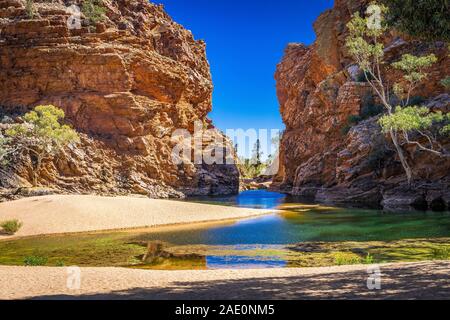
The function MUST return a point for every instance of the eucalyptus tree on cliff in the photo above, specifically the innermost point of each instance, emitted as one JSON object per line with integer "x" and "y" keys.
{"x": 41, "y": 135}
{"x": 401, "y": 120}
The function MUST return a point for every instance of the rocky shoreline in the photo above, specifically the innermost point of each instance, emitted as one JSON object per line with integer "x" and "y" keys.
{"x": 327, "y": 158}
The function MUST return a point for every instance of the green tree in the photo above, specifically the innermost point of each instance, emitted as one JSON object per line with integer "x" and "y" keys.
{"x": 257, "y": 153}
{"x": 253, "y": 167}
{"x": 364, "y": 45}
{"x": 416, "y": 119}
{"x": 41, "y": 135}
{"x": 426, "y": 19}
{"x": 93, "y": 10}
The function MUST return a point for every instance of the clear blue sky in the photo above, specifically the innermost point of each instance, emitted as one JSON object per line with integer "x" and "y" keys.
{"x": 245, "y": 41}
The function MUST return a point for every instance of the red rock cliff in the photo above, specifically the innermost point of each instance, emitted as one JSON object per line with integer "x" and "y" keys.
{"x": 126, "y": 84}
{"x": 318, "y": 90}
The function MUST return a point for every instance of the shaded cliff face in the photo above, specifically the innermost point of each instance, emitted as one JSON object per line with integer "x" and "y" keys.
{"x": 126, "y": 84}
{"x": 318, "y": 90}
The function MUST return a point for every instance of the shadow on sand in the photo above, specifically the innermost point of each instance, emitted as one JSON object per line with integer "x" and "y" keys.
{"x": 413, "y": 281}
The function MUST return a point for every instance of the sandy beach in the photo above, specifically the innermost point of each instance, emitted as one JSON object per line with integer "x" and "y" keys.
{"x": 427, "y": 280}
{"x": 58, "y": 214}
{"x": 70, "y": 214}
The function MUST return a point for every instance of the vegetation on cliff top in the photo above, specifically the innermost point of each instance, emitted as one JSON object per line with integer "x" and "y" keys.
{"x": 428, "y": 20}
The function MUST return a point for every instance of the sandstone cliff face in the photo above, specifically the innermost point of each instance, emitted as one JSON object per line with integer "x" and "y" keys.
{"x": 126, "y": 84}
{"x": 318, "y": 90}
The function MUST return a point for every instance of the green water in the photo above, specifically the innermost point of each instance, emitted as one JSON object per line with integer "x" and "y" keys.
{"x": 301, "y": 235}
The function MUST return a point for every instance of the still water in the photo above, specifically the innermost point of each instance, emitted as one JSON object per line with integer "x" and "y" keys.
{"x": 296, "y": 235}
{"x": 298, "y": 223}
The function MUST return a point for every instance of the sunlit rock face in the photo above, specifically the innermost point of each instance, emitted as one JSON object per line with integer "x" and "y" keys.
{"x": 318, "y": 89}
{"x": 126, "y": 84}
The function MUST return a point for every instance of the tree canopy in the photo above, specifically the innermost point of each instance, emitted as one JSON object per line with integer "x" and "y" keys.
{"x": 364, "y": 45}
{"x": 41, "y": 134}
{"x": 426, "y": 19}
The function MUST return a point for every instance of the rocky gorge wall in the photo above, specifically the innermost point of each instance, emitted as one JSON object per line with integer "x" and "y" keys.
{"x": 126, "y": 84}
{"x": 325, "y": 160}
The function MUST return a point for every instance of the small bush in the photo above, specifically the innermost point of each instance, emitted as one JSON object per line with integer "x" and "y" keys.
{"x": 446, "y": 82}
{"x": 371, "y": 110}
{"x": 369, "y": 259}
{"x": 30, "y": 10}
{"x": 94, "y": 11}
{"x": 342, "y": 259}
{"x": 34, "y": 261}
{"x": 11, "y": 226}
{"x": 60, "y": 263}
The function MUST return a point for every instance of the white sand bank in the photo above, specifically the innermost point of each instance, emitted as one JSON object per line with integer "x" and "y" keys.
{"x": 78, "y": 213}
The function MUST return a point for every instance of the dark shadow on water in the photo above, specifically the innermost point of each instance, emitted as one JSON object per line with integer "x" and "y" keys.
{"x": 415, "y": 281}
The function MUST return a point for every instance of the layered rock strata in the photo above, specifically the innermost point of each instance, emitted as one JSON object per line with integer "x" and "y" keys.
{"x": 322, "y": 157}
{"x": 125, "y": 83}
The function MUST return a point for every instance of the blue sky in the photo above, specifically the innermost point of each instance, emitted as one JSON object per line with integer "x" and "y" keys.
{"x": 245, "y": 41}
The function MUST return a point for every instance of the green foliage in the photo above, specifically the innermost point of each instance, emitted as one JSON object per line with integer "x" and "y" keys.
{"x": 257, "y": 153}
{"x": 409, "y": 119}
{"x": 255, "y": 167}
{"x": 426, "y": 19}
{"x": 364, "y": 45}
{"x": 369, "y": 259}
{"x": 94, "y": 11}
{"x": 413, "y": 66}
{"x": 11, "y": 226}
{"x": 60, "y": 263}
{"x": 249, "y": 169}
{"x": 34, "y": 261}
{"x": 357, "y": 43}
{"x": 346, "y": 258}
{"x": 42, "y": 127}
{"x": 446, "y": 82}
{"x": 42, "y": 135}
{"x": 446, "y": 128}
{"x": 30, "y": 9}
{"x": 441, "y": 253}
